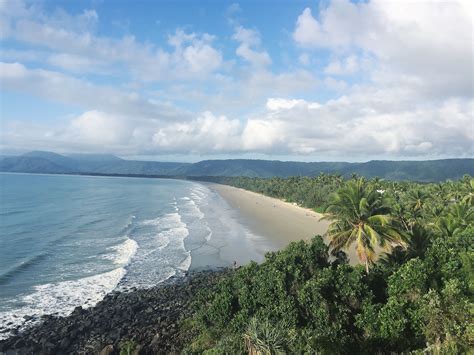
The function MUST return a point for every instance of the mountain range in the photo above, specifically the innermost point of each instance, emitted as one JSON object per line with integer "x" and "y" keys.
{"x": 105, "y": 164}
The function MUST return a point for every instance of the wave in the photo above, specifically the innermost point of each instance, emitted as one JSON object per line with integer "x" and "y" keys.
{"x": 59, "y": 298}
{"x": 200, "y": 191}
{"x": 186, "y": 263}
{"x": 161, "y": 253}
{"x": 209, "y": 234}
{"x": 123, "y": 253}
{"x": 12, "y": 213}
{"x": 22, "y": 267}
{"x": 129, "y": 224}
{"x": 195, "y": 210}
{"x": 167, "y": 221}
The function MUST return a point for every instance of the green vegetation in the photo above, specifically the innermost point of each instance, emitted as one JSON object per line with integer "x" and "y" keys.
{"x": 104, "y": 164}
{"x": 127, "y": 347}
{"x": 417, "y": 297}
{"x": 360, "y": 215}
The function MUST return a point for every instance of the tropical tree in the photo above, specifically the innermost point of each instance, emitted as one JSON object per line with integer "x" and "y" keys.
{"x": 457, "y": 219}
{"x": 264, "y": 338}
{"x": 360, "y": 216}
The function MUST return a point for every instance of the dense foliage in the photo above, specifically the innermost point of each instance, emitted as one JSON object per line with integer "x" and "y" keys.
{"x": 417, "y": 297}
{"x": 104, "y": 164}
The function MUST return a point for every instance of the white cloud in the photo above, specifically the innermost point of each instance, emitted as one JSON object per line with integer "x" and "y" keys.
{"x": 207, "y": 133}
{"x": 74, "y": 38}
{"x": 232, "y": 13}
{"x": 428, "y": 41}
{"x": 275, "y": 104}
{"x": 74, "y": 63}
{"x": 398, "y": 83}
{"x": 99, "y": 128}
{"x": 365, "y": 123}
{"x": 55, "y": 86}
{"x": 350, "y": 127}
{"x": 249, "y": 40}
{"x": 262, "y": 135}
{"x": 346, "y": 66}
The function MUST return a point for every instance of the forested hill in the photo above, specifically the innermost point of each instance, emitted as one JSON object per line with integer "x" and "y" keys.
{"x": 423, "y": 171}
{"x": 48, "y": 162}
{"x": 52, "y": 163}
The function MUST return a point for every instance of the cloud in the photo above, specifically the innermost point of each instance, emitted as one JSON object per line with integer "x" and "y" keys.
{"x": 206, "y": 134}
{"x": 349, "y": 128}
{"x": 232, "y": 14}
{"x": 194, "y": 54}
{"x": 276, "y": 104}
{"x": 431, "y": 42}
{"x": 74, "y": 63}
{"x": 262, "y": 135}
{"x": 74, "y": 38}
{"x": 58, "y": 87}
{"x": 368, "y": 80}
{"x": 99, "y": 128}
{"x": 346, "y": 66}
{"x": 249, "y": 40}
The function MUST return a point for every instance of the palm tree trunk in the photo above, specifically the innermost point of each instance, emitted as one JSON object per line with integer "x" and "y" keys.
{"x": 366, "y": 265}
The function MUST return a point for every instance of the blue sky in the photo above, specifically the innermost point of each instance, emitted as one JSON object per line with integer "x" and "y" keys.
{"x": 188, "y": 80}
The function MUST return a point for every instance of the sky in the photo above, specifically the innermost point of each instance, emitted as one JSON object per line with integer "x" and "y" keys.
{"x": 179, "y": 80}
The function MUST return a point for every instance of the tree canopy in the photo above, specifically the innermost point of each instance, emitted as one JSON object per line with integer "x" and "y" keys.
{"x": 417, "y": 298}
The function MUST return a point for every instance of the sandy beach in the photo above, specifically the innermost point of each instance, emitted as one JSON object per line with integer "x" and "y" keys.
{"x": 279, "y": 221}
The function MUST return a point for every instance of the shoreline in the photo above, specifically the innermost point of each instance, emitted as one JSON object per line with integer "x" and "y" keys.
{"x": 277, "y": 221}
{"x": 152, "y": 317}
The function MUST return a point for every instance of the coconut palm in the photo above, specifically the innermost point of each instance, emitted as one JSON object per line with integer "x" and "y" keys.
{"x": 360, "y": 216}
{"x": 420, "y": 239}
{"x": 458, "y": 218}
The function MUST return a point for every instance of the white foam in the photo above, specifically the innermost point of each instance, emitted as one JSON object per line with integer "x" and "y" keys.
{"x": 196, "y": 211}
{"x": 208, "y": 235}
{"x": 169, "y": 220}
{"x": 200, "y": 191}
{"x": 162, "y": 253}
{"x": 184, "y": 266}
{"x": 195, "y": 196}
{"x": 60, "y": 298}
{"x": 130, "y": 222}
{"x": 124, "y": 252}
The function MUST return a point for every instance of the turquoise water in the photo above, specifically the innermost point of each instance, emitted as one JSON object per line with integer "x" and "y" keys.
{"x": 67, "y": 241}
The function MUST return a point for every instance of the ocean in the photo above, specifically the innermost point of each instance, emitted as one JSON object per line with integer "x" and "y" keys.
{"x": 67, "y": 241}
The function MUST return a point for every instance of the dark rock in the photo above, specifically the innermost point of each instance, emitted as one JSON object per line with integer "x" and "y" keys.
{"x": 64, "y": 343}
{"x": 107, "y": 350}
{"x": 147, "y": 317}
{"x": 19, "y": 344}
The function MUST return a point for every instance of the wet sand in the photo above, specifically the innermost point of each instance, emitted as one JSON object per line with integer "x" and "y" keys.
{"x": 280, "y": 222}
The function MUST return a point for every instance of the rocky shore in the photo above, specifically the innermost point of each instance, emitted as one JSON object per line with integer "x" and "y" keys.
{"x": 144, "y": 321}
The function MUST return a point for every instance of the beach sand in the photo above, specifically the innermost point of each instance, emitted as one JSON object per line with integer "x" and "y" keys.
{"x": 280, "y": 222}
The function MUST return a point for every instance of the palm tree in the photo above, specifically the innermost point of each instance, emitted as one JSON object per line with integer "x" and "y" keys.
{"x": 458, "y": 218}
{"x": 418, "y": 243}
{"x": 359, "y": 215}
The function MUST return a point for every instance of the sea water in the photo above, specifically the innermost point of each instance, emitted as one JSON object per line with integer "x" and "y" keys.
{"x": 67, "y": 241}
